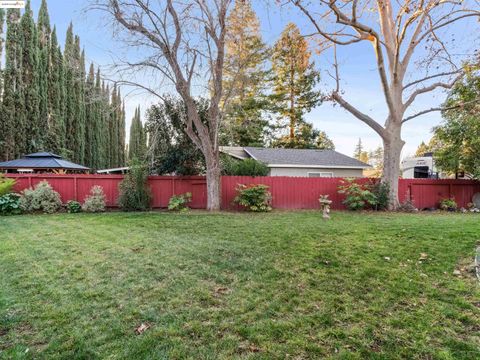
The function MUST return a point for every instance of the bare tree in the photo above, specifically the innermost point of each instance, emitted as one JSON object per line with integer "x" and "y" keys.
{"x": 413, "y": 48}
{"x": 183, "y": 43}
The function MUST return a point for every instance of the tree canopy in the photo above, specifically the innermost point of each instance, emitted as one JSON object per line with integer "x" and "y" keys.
{"x": 48, "y": 101}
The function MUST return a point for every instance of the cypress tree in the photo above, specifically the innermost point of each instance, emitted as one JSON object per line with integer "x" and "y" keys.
{"x": 56, "y": 98}
{"x": 113, "y": 128}
{"x": 137, "y": 144}
{"x": 47, "y": 101}
{"x": 2, "y": 21}
{"x": 69, "y": 65}
{"x": 12, "y": 121}
{"x": 34, "y": 126}
{"x": 122, "y": 137}
{"x": 2, "y": 135}
{"x": 43, "y": 72}
{"x": 106, "y": 112}
{"x": 90, "y": 120}
{"x": 99, "y": 125}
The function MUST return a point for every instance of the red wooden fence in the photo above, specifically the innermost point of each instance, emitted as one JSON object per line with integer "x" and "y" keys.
{"x": 287, "y": 192}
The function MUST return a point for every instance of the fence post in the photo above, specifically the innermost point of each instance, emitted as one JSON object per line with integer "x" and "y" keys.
{"x": 75, "y": 187}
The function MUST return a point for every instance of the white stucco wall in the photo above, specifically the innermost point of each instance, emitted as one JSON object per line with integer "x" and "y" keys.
{"x": 303, "y": 172}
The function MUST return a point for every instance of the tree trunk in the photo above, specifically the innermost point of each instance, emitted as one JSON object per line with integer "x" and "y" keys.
{"x": 214, "y": 191}
{"x": 392, "y": 148}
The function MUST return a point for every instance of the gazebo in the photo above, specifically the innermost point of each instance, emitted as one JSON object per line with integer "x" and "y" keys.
{"x": 41, "y": 162}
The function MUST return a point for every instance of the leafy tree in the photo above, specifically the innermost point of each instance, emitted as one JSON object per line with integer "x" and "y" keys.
{"x": 170, "y": 150}
{"x": 413, "y": 53}
{"x": 244, "y": 78}
{"x": 360, "y": 153}
{"x": 376, "y": 158}
{"x": 458, "y": 137}
{"x": 137, "y": 144}
{"x": 306, "y": 137}
{"x": 247, "y": 167}
{"x": 294, "y": 80}
{"x": 134, "y": 191}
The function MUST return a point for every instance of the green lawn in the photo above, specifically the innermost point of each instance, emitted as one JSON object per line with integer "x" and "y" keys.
{"x": 223, "y": 286}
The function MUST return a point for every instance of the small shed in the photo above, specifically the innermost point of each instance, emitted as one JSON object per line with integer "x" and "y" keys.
{"x": 42, "y": 162}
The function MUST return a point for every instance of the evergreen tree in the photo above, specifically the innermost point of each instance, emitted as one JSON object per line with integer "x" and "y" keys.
{"x": 294, "y": 79}
{"x": 90, "y": 119}
{"x": 32, "y": 138}
{"x": 2, "y": 22}
{"x": 121, "y": 137}
{"x": 12, "y": 124}
{"x": 360, "y": 153}
{"x": 306, "y": 137}
{"x": 47, "y": 102}
{"x": 99, "y": 133}
{"x": 69, "y": 66}
{"x": 137, "y": 144}
{"x": 245, "y": 78}
{"x": 56, "y": 98}
{"x": 43, "y": 71}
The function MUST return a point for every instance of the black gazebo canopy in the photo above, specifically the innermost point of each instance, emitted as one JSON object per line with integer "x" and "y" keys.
{"x": 41, "y": 162}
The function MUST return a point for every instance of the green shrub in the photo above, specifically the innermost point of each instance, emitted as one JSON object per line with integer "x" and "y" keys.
{"x": 381, "y": 190}
{"x": 73, "y": 207}
{"x": 254, "y": 197}
{"x": 180, "y": 202}
{"x": 41, "y": 198}
{"x": 10, "y": 204}
{"x": 134, "y": 191}
{"x": 95, "y": 202}
{"x": 247, "y": 167}
{"x": 357, "y": 196}
{"x": 6, "y": 185}
{"x": 448, "y": 204}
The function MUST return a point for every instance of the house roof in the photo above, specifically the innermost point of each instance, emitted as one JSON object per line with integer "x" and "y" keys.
{"x": 235, "y": 151}
{"x": 41, "y": 160}
{"x": 275, "y": 157}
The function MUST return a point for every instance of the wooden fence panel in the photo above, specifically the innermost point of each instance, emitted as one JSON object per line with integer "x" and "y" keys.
{"x": 287, "y": 192}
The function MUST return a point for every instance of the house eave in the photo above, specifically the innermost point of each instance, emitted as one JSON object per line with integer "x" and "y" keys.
{"x": 316, "y": 166}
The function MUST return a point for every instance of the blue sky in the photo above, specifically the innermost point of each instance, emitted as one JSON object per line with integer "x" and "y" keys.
{"x": 358, "y": 73}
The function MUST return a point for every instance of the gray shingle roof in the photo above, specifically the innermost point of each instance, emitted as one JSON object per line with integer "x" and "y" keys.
{"x": 41, "y": 161}
{"x": 306, "y": 157}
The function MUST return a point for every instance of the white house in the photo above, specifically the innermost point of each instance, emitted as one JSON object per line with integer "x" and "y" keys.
{"x": 301, "y": 162}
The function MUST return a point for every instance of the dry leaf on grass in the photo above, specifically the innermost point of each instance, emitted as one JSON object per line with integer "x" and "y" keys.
{"x": 222, "y": 290}
{"x": 142, "y": 328}
{"x": 248, "y": 348}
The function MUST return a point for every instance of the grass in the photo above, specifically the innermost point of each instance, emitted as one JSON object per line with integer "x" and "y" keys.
{"x": 226, "y": 286}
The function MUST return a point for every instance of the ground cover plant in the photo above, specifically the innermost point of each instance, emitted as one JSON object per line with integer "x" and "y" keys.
{"x": 226, "y": 286}
{"x": 180, "y": 202}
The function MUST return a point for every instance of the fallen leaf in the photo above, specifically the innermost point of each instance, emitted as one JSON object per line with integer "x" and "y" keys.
{"x": 222, "y": 290}
{"x": 457, "y": 272}
{"x": 387, "y": 258}
{"x": 142, "y": 328}
{"x": 423, "y": 256}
